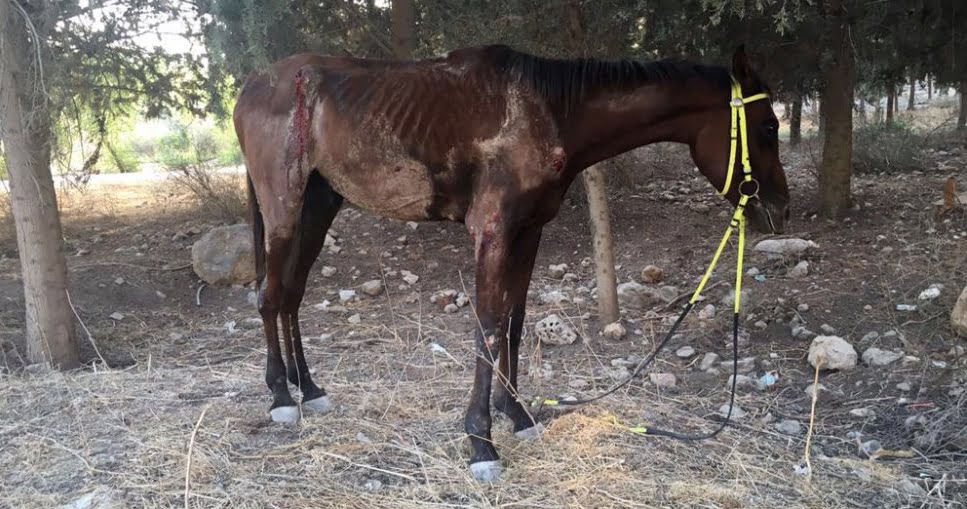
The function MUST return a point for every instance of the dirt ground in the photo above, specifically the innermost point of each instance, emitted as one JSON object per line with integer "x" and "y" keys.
{"x": 180, "y": 377}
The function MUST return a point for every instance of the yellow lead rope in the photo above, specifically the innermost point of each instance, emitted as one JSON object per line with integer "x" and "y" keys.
{"x": 738, "y": 130}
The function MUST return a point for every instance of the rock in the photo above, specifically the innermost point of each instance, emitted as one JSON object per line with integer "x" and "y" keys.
{"x": 958, "y": 316}
{"x": 225, "y": 255}
{"x": 116, "y": 316}
{"x": 663, "y": 379}
{"x": 346, "y": 295}
{"x": 668, "y": 293}
{"x": 462, "y": 300}
{"x": 874, "y": 356}
{"x": 744, "y": 365}
{"x": 870, "y": 336}
{"x": 737, "y": 412}
{"x": 355, "y": 319}
{"x": 862, "y": 413}
{"x": 808, "y": 391}
{"x": 707, "y": 313}
{"x": 931, "y": 293}
{"x": 753, "y": 272}
{"x": 800, "y": 332}
{"x": 802, "y": 308}
{"x": 728, "y": 300}
{"x": 741, "y": 382}
{"x": 827, "y": 329}
{"x": 578, "y": 383}
{"x": 328, "y": 271}
{"x": 557, "y": 271}
{"x": 619, "y": 373}
{"x": 329, "y": 241}
{"x": 833, "y": 351}
{"x": 801, "y": 270}
{"x": 637, "y": 296}
{"x": 451, "y": 308}
{"x": 372, "y": 288}
{"x": 615, "y": 331}
{"x": 554, "y": 297}
{"x": 904, "y": 386}
{"x": 685, "y": 352}
{"x": 784, "y": 248}
{"x": 409, "y": 277}
{"x": 789, "y": 427}
{"x": 373, "y": 484}
{"x": 443, "y": 298}
{"x": 910, "y": 488}
{"x": 868, "y": 448}
{"x": 709, "y": 360}
{"x": 652, "y": 274}
{"x": 119, "y": 281}
{"x": 554, "y": 331}
{"x": 100, "y": 498}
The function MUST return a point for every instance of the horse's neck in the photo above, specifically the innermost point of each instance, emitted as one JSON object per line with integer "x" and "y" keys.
{"x": 610, "y": 124}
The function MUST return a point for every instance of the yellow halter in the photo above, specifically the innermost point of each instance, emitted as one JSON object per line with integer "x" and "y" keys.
{"x": 737, "y": 105}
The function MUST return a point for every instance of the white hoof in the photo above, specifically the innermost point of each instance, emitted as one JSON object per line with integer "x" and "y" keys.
{"x": 285, "y": 414}
{"x": 532, "y": 433}
{"x": 320, "y": 405}
{"x": 486, "y": 471}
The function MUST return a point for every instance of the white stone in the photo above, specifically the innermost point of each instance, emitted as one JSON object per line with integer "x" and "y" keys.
{"x": 637, "y": 296}
{"x": 789, "y": 427}
{"x": 346, "y": 295}
{"x": 685, "y": 352}
{"x": 707, "y": 313}
{"x": 709, "y": 360}
{"x": 862, "y": 413}
{"x": 663, "y": 379}
{"x": 615, "y": 331}
{"x": 372, "y": 288}
{"x": 328, "y": 271}
{"x": 801, "y": 270}
{"x": 555, "y": 331}
{"x": 409, "y": 277}
{"x": 930, "y": 293}
{"x": 874, "y": 356}
{"x": 355, "y": 319}
{"x": 557, "y": 271}
{"x": 834, "y": 353}
{"x": 904, "y": 386}
{"x": 779, "y": 248}
{"x": 117, "y": 316}
{"x": 737, "y": 412}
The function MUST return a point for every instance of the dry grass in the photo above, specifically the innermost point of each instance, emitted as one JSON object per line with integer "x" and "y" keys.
{"x": 394, "y": 440}
{"x": 220, "y": 193}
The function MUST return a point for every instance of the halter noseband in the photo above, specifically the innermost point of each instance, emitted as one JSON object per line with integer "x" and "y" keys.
{"x": 737, "y": 105}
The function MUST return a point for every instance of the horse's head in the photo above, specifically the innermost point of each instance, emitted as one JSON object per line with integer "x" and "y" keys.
{"x": 768, "y": 209}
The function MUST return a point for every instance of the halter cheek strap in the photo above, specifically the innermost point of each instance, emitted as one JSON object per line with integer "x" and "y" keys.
{"x": 737, "y": 106}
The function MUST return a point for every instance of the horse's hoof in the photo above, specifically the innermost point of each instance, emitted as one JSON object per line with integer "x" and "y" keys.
{"x": 285, "y": 414}
{"x": 532, "y": 433}
{"x": 486, "y": 471}
{"x": 320, "y": 405}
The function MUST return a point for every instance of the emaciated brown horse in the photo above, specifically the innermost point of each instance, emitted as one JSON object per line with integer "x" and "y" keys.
{"x": 487, "y": 136}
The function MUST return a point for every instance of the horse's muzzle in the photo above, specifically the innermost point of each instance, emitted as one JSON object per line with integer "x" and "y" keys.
{"x": 768, "y": 217}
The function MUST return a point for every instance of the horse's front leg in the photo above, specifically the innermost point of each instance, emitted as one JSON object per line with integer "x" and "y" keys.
{"x": 492, "y": 310}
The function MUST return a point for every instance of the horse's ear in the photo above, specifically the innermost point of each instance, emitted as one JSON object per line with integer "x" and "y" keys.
{"x": 741, "y": 66}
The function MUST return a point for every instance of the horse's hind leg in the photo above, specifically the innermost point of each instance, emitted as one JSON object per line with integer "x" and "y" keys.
{"x": 319, "y": 208}
{"x": 506, "y": 397}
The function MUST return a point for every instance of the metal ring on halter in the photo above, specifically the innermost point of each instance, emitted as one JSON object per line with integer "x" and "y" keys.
{"x": 753, "y": 194}
{"x": 737, "y": 102}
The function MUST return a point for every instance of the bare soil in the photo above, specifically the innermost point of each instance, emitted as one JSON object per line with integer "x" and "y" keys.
{"x": 177, "y": 371}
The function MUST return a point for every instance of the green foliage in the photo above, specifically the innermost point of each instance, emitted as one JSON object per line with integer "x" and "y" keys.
{"x": 882, "y": 147}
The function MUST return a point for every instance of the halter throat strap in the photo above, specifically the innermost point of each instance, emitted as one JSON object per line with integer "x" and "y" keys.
{"x": 739, "y": 130}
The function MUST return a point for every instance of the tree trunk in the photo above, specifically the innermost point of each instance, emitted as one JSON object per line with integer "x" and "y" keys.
{"x": 878, "y": 111}
{"x": 838, "y": 79}
{"x": 403, "y": 28}
{"x": 594, "y": 184}
{"x": 911, "y": 100}
{"x": 603, "y": 243}
{"x": 862, "y": 111}
{"x": 929, "y": 88}
{"x": 962, "y": 117}
{"x": 795, "y": 121}
{"x": 25, "y": 132}
{"x": 890, "y": 102}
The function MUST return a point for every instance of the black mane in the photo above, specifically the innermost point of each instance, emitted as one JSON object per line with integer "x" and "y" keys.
{"x": 566, "y": 82}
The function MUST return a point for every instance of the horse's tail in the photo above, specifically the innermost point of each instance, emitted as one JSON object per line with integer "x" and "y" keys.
{"x": 258, "y": 231}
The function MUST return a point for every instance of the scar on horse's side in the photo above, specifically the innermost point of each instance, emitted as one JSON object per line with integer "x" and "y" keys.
{"x": 486, "y": 136}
